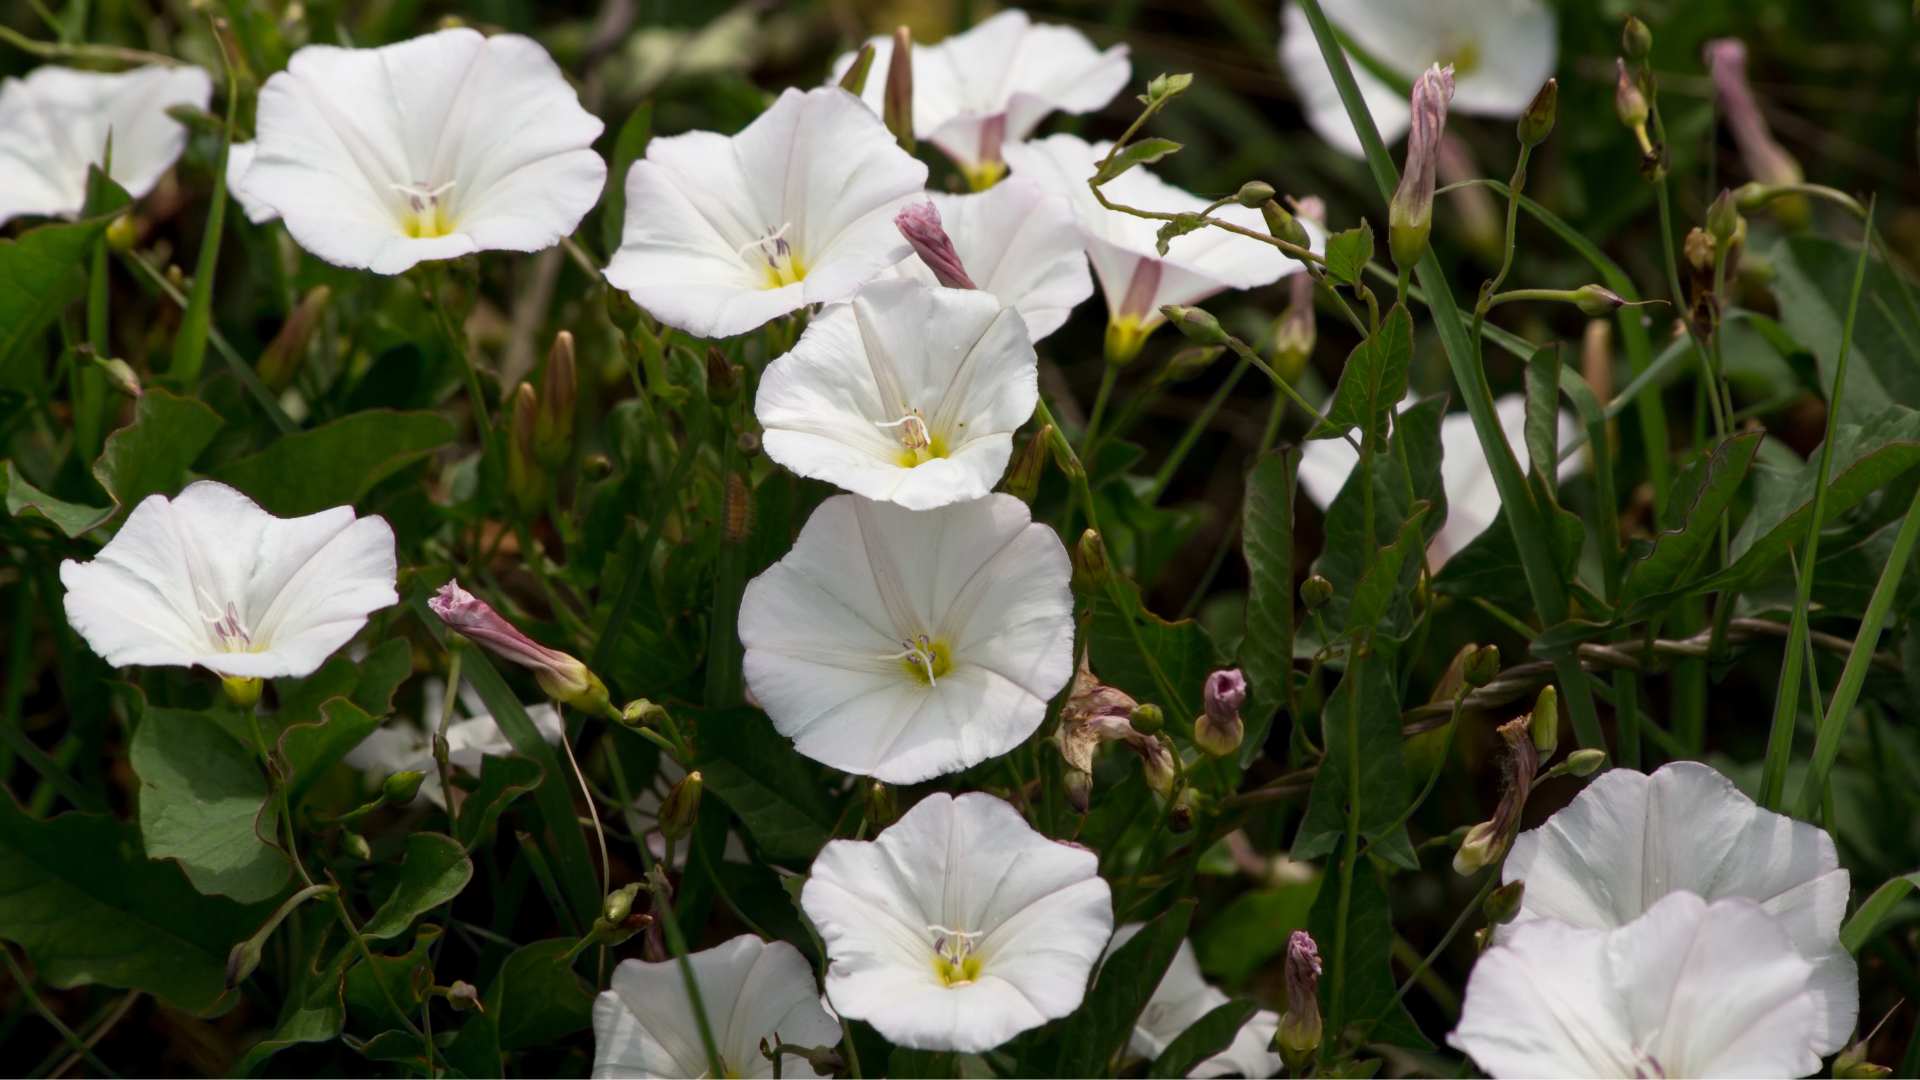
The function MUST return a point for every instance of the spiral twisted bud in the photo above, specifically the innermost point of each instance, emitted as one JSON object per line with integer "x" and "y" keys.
{"x": 1219, "y": 730}
{"x": 920, "y": 224}
{"x": 1410, "y": 213}
{"x": 1297, "y": 1038}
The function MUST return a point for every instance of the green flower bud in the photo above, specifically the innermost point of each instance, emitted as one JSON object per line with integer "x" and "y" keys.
{"x": 244, "y": 693}
{"x": 1180, "y": 817}
{"x": 526, "y": 480}
{"x": 621, "y": 310}
{"x": 881, "y": 807}
{"x": 1253, "y": 194}
{"x": 682, "y": 806}
{"x": 1503, "y": 903}
{"x": 1635, "y": 39}
{"x": 559, "y": 393}
{"x": 748, "y": 444}
{"x": 1852, "y": 1064}
{"x": 1597, "y": 300}
{"x": 1629, "y": 104}
{"x": 1200, "y": 327}
{"x": 1090, "y": 567}
{"x": 898, "y": 110}
{"x": 1482, "y": 667}
{"x": 355, "y": 845}
{"x": 1023, "y": 479}
{"x": 596, "y": 466}
{"x": 1585, "y": 762}
{"x": 241, "y": 961}
{"x": 1723, "y": 216}
{"x": 723, "y": 382}
{"x": 1537, "y": 122}
{"x": 1545, "y": 723}
{"x": 1315, "y": 592}
{"x": 1284, "y": 226}
{"x": 122, "y": 234}
{"x": 641, "y": 713}
{"x": 464, "y": 997}
{"x": 619, "y": 903}
{"x": 855, "y": 80}
{"x": 401, "y": 787}
{"x": 1147, "y": 719}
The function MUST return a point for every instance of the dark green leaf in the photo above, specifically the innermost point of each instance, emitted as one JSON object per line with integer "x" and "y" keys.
{"x": 628, "y": 147}
{"x": 502, "y": 780}
{"x": 38, "y": 273}
{"x": 375, "y": 987}
{"x": 1381, "y": 584}
{"x": 1412, "y": 463}
{"x": 202, "y": 802}
{"x": 1543, "y": 417}
{"x": 71, "y": 518}
{"x": 1369, "y": 987}
{"x": 1677, "y": 551}
{"x": 537, "y": 997}
{"x": 1099, "y": 1029}
{"x": 1182, "y": 651}
{"x": 1208, "y": 1036}
{"x": 402, "y": 1046}
{"x": 1361, "y": 736}
{"x": 1266, "y": 654}
{"x": 309, "y": 750}
{"x": 777, "y": 794}
{"x": 335, "y": 465}
{"x": 311, "y": 1013}
{"x": 1372, "y": 383}
{"x": 1144, "y": 152}
{"x": 922, "y": 1064}
{"x": 150, "y": 456}
{"x": 1874, "y": 910}
{"x": 1253, "y": 929}
{"x": 1348, "y": 253}
{"x": 89, "y": 907}
{"x": 435, "y": 870}
{"x": 381, "y": 673}
{"x": 1489, "y": 566}
{"x": 1814, "y": 280}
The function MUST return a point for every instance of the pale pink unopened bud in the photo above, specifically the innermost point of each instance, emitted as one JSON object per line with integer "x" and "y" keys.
{"x": 562, "y": 676}
{"x": 1765, "y": 159}
{"x": 1219, "y": 730}
{"x": 1298, "y": 1035}
{"x": 920, "y": 224}
{"x": 1410, "y": 214}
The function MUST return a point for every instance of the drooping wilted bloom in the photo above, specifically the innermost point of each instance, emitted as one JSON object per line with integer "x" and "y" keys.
{"x": 401, "y": 745}
{"x": 1500, "y": 51}
{"x": 725, "y": 233}
{"x": 959, "y": 926}
{"x": 1473, "y": 500}
{"x": 1218, "y": 729}
{"x": 1179, "y": 1001}
{"x": 1019, "y": 243}
{"x": 1630, "y": 839}
{"x": 752, "y": 990}
{"x": 1137, "y": 280}
{"x": 55, "y": 123}
{"x": 1686, "y": 989}
{"x": 1410, "y": 213}
{"x": 209, "y": 578}
{"x": 562, "y": 676}
{"x": 903, "y": 644}
{"x": 909, "y": 394}
{"x": 448, "y": 144}
{"x": 992, "y": 85}
{"x": 1094, "y": 714}
{"x": 1487, "y": 842}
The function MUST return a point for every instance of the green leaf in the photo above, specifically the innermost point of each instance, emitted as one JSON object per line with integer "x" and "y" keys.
{"x": 502, "y": 780}
{"x": 1382, "y": 583}
{"x": 39, "y": 273}
{"x": 1182, "y": 651}
{"x": 1253, "y": 929}
{"x": 1369, "y": 988}
{"x": 755, "y": 771}
{"x": 628, "y": 147}
{"x": 921, "y": 1064}
{"x": 1361, "y": 734}
{"x": 1181, "y": 225}
{"x": 1874, "y": 910}
{"x": 1094, "y": 1033}
{"x": 1814, "y": 280}
{"x": 89, "y": 907}
{"x": 1266, "y": 654}
{"x": 374, "y": 987}
{"x": 23, "y": 499}
{"x": 309, "y": 750}
{"x": 337, "y": 464}
{"x": 1208, "y": 1036}
{"x": 150, "y": 456}
{"x": 537, "y": 998}
{"x": 381, "y": 673}
{"x": 1372, "y": 383}
{"x": 1866, "y": 456}
{"x": 1412, "y": 464}
{"x": 1489, "y": 566}
{"x": 1348, "y": 253}
{"x": 1543, "y": 419}
{"x": 202, "y": 801}
{"x": 1144, "y": 152}
{"x": 435, "y": 870}
{"x": 1677, "y": 551}
{"x": 311, "y": 1013}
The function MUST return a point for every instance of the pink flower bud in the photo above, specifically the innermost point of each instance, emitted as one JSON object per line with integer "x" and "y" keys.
{"x": 1219, "y": 730}
{"x": 1298, "y": 1036}
{"x": 1765, "y": 158}
{"x": 1410, "y": 214}
{"x": 920, "y": 224}
{"x": 562, "y": 676}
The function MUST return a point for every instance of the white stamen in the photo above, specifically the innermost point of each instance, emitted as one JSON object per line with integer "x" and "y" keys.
{"x": 920, "y": 653}
{"x": 915, "y": 435}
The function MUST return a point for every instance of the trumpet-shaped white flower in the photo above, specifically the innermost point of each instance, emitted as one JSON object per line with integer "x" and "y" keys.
{"x": 1687, "y": 989}
{"x": 959, "y": 926}
{"x": 725, "y": 233}
{"x": 1181, "y": 999}
{"x": 903, "y": 644}
{"x": 1135, "y": 277}
{"x": 239, "y": 160}
{"x": 1018, "y": 242}
{"x": 1630, "y": 839}
{"x": 1472, "y": 498}
{"x": 910, "y": 394}
{"x": 401, "y": 745}
{"x": 56, "y": 122}
{"x": 992, "y": 85}
{"x": 209, "y": 578}
{"x": 1501, "y": 52}
{"x": 448, "y": 144}
{"x": 752, "y": 990}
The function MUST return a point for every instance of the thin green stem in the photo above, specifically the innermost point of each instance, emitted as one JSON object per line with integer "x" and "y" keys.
{"x": 1439, "y": 763}
{"x": 1453, "y": 931}
{"x": 26, "y": 989}
{"x": 1089, "y": 439}
{"x": 641, "y": 570}
{"x": 446, "y": 722}
{"x": 1189, "y": 437}
{"x": 676, "y": 943}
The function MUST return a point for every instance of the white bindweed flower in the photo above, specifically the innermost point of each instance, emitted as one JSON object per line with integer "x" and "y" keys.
{"x": 1472, "y": 498}
{"x": 239, "y": 159}
{"x": 1019, "y": 243}
{"x": 726, "y": 233}
{"x": 1687, "y": 989}
{"x": 907, "y": 644}
{"x": 401, "y": 745}
{"x": 56, "y": 122}
{"x": 977, "y": 91}
{"x": 752, "y": 990}
{"x": 445, "y": 145}
{"x": 1630, "y": 839}
{"x": 959, "y": 926}
{"x": 209, "y": 578}
{"x": 1501, "y": 52}
{"x": 1135, "y": 277}
{"x": 1181, "y": 999}
{"x": 910, "y": 394}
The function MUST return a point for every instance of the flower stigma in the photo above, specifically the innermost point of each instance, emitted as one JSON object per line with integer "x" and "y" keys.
{"x": 424, "y": 217}
{"x": 782, "y": 267}
{"x": 917, "y": 441}
{"x": 925, "y": 659}
{"x": 227, "y": 626}
{"x": 953, "y": 957}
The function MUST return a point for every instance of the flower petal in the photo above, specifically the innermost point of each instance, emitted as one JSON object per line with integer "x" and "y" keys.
{"x": 1019, "y": 243}
{"x": 56, "y": 122}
